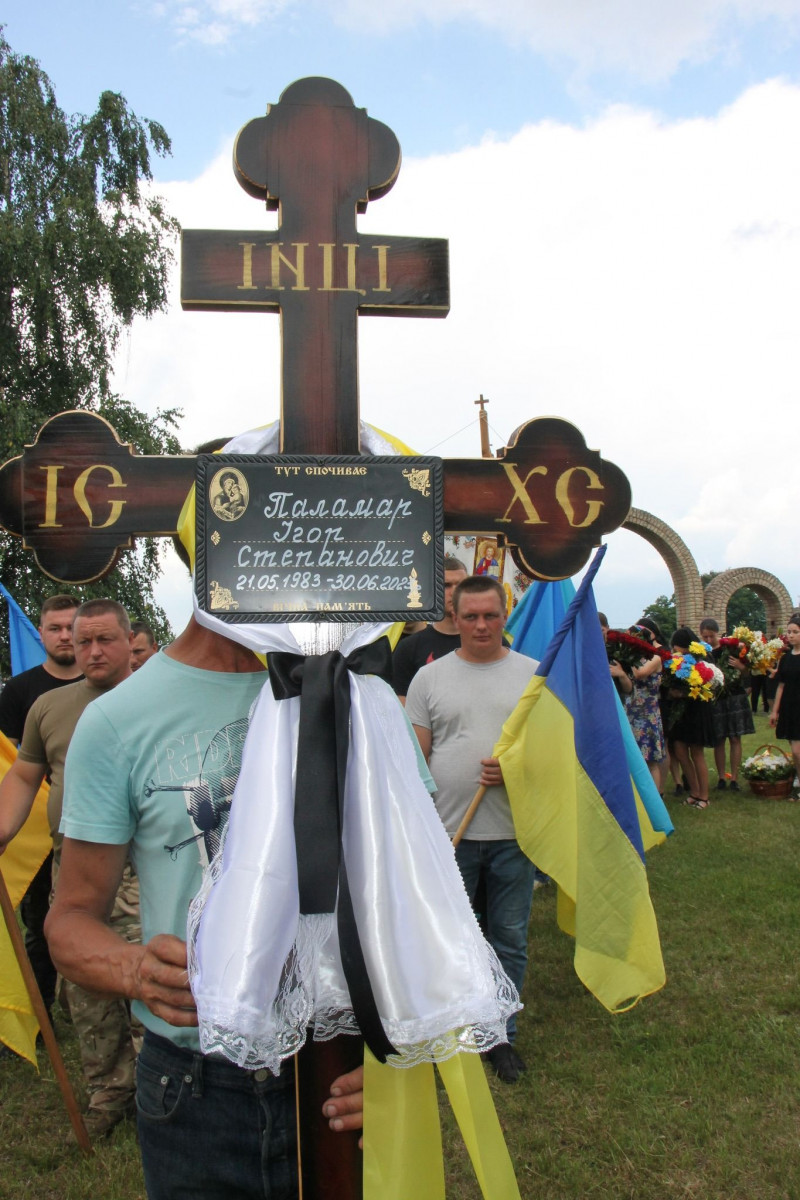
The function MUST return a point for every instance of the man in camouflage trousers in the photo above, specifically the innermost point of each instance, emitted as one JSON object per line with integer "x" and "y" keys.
{"x": 108, "y": 1037}
{"x": 102, "y": 636}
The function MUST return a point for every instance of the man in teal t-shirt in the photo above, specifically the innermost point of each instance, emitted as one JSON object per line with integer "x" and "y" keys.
{"x": 164, "y": 785}
{"x": 153, "y": 766}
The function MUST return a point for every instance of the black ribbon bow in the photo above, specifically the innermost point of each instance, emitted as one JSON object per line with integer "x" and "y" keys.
{"x": 322, "y": 682}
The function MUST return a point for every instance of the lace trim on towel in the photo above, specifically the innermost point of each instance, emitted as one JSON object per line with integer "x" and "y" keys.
{"x": 264, "y": 1036}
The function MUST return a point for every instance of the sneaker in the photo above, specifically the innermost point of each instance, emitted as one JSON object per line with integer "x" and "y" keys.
{"x": 678, "y": 789}
{"x": 508, "y": 1066}
{"x": 734, "y": 786}
{"x": 721, "y": 785}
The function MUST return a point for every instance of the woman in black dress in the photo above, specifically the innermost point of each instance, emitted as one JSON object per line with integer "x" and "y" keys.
{"x": 690, "y": 728}
{"x": 785, "y": 713}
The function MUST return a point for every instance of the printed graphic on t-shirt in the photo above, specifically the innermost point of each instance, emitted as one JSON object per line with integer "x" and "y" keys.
{"x": 207, "y": 777}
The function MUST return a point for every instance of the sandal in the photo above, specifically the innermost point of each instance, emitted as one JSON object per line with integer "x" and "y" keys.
{"x": 695, "y": 802}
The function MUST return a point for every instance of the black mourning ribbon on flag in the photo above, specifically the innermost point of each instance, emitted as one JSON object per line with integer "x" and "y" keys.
{"x": 322, "y": 683}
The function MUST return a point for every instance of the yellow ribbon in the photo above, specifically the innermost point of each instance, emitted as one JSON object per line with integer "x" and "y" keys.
{"x": 187, "y": 532}
{"x": 402, "y": 1134}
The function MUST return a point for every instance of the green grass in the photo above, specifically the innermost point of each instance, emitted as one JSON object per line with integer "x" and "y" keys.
{"x": 692, "y": 1095}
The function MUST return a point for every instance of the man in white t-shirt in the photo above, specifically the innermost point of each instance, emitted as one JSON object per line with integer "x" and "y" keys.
{"x": 458, "y": 706}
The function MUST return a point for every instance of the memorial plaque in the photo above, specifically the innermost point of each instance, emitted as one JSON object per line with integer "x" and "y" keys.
{"x": 309, "y": 538}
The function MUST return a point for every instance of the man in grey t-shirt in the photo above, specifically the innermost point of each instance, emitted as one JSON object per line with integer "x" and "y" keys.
{"x": 458, "y": 706}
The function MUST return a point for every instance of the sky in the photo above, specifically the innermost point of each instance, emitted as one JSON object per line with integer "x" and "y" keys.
{"x": 619, "y": 185}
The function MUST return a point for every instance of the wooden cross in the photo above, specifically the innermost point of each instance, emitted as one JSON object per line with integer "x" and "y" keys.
{"x": 483, "y": 421}
{"x": 78, "y": 496}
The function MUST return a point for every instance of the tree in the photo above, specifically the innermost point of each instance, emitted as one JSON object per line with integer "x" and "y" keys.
{"x": 85, "y": 246}
{"x": 745, "y": 607}
{"x": 663, "y": 611}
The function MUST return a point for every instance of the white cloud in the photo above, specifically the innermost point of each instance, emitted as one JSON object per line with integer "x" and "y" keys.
{"x": 214, "y": 22}
{"x": 636, "y": 277}
{"x": 647, "y": 40}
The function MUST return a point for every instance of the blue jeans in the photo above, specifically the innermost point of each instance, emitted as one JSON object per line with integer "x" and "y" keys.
{"x": 509, "y": 893}
{"x": 209, "y": 1129}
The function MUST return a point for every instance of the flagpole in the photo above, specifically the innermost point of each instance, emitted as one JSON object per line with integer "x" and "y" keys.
{"x": 468, "y": 815}
{"x": 45, "y": 1026}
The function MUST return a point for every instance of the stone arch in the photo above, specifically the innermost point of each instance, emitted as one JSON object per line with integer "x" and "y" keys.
{"x": 680, "y": 563}
{"x": 768, "y": 588}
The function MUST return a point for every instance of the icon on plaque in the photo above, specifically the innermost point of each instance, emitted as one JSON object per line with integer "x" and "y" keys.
{"x": 229, "y": 494}
{"x": 489, "y": 558}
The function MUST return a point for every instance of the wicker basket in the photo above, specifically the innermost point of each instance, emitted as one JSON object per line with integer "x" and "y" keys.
{"x": 781, "y": 789}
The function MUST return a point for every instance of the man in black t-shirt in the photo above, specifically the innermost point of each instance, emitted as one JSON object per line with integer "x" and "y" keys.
{"x": 432, "y": 642}
{"x": 16, "y": 700}
{"x": 58, "y": 668}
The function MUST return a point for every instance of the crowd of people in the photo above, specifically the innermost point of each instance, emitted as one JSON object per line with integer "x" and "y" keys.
{"x": 116, "y": 922}
{"x": 674, "y": 723}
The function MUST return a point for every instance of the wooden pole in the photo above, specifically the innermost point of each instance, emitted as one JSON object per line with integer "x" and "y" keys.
{"x": 483, "y": 421}
{"x": 39, "y": 1009}
{"x": 300, "y": 1193}
{"x": 331, "y": 1163}
{"x": 468, "y": 815}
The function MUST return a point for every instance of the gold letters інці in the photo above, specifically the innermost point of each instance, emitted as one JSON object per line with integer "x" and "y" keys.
{"x": 298, "y": 268}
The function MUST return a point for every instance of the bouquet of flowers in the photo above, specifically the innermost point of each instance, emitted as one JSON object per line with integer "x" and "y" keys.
{"x": 775, "y": 647}
{"x": 735, "y": 646}
{"x": 690, "y": 673}
{"x": 628, "y": 650}
{"x": 761, "y": 654}
{"x": 731, "y": 647}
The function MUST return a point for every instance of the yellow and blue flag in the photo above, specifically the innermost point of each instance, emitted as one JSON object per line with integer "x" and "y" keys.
{"x": 532, "y": 627}
{"x": 26, "y": 646}
{"x": 575, "y": 812}
{"x": 535, "y": 621}
{"x": 19, "y": 864}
